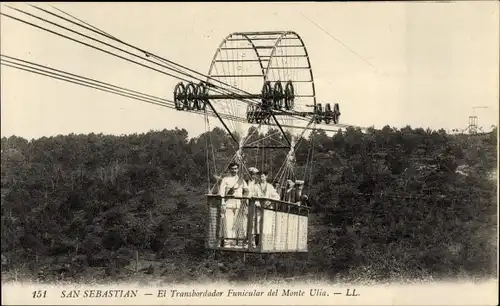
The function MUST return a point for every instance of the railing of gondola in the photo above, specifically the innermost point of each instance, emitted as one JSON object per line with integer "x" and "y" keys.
{"x": 214, "y": 237}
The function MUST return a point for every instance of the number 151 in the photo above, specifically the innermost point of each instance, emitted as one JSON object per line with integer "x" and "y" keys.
{"x": 39, "y": 294}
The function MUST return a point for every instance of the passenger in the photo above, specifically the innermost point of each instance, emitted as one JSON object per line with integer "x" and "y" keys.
{"x": 304, "y": 200}
{"x": 253, "y": 182}
{"x": 289, "y": 194}
{"x": 279, "y": 189}
{"x": 232, "y": 186}
{"x": 253, "y": 187}
{"x": 266, "y": 190}
{"x": 299, "y": 197}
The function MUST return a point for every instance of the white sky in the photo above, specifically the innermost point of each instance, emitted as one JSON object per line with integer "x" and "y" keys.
{"x": 433, "y": 63}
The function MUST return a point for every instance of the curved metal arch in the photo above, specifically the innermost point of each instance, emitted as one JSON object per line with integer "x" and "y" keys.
{"x": 226, "y": 86}
{"x": 278, "y": 40}
{"x": 217, "y": 53}
{"x": 269, "y": 40}
{"x": 274, "y": 42}
{"x": 225, "y": 40}
{"x": 255, "y": 50}
{"x": 310, "y": 67}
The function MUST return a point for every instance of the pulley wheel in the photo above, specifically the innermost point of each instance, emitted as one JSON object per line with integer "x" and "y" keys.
{"x": 191, "y": 97}
{"x": 179, "y": 93}
{"x": 289, "y": 95}
{"x": 278, "y": 96}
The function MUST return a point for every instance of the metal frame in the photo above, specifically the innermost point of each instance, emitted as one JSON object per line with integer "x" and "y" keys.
{"x": 222, "y": 121}
{"x": 285, "y": 229}
{"x": 270, "y": 40}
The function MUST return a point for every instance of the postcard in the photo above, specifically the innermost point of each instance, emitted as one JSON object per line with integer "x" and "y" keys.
{"x": 281, "y": 153}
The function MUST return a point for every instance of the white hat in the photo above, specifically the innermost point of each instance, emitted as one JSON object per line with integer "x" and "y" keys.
{"x": 253, "y": 170}
{"x": 299, "y": 182}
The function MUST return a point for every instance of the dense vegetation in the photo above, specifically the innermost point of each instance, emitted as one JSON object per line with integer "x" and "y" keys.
{"x": 407, "y": 204}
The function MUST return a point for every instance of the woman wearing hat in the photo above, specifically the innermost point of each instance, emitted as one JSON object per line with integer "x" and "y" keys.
{"x": 252, "y": 182}
{"x": 265, "y": 190}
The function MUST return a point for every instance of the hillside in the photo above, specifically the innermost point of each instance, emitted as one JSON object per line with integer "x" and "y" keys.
{"x": 408, "y": 204}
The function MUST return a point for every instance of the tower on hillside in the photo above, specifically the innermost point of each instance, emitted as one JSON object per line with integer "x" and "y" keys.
{"x": 472, "y": 128}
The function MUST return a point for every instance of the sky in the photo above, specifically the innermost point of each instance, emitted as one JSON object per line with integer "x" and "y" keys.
{"x": 421, "y": 64}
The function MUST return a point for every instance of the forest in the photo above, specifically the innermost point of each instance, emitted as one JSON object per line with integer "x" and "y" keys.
{"x": 389, "y": 204}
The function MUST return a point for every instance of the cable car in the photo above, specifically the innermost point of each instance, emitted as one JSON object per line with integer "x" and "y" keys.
{"x": 262, "y": 92}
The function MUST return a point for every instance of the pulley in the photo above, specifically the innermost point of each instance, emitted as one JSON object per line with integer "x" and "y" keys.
{"x": 336, "y": 113}
{"x": 289, "y": 95}
{"x": 202, "y": 96}
{"x": 179, "y": 93}
{"x": 190, "y": 97}
{"x": 328, "y": 113}
{"x": 267, "y": 95}
{"x": 278, "y": 96}
{"x": 318, "y": 113}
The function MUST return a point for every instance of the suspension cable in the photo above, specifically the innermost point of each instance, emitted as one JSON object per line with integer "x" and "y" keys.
{"x": 87, "y": 82}
{"x": 100, "y": 32}
{"x": 114, "y": 47}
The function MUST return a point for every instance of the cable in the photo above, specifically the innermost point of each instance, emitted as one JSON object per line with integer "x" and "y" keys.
{"x": 100, "y": 32}
{"x": 226, "y": 116}
{"x": 86, "y": 44}
{"x": 147, "y": 53}
{"x": 37, "y": 71}
{"x": 129, "y": 53}
{"x": 94, "y": 46}
{"x": 337, "y": 40}
{"x": 97, "y": 48}
{"x": 89, "y": 79}
{"x": 97, "y": 29}
{"x": 100, "y": 85}
{"x": 77, "y": 79}
{"x": 91, "y": 45}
